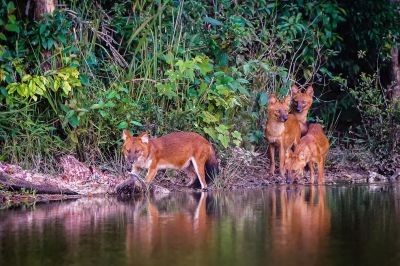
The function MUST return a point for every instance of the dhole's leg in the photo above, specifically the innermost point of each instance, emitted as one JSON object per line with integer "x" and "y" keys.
{"x": 271, "y": 149}
{"x": 321, "y": 175}
{"x": 282, "y": 169}
{"x": 201, "y": 174}
{"x": 311, "y": 167}
{"x": 151, "y": 173}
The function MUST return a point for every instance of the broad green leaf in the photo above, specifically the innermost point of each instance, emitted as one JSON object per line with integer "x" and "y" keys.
{"x": 224, "y": 139}
{"x": 109, "y": 104}
{"x": 213, "y": 21}
{"x": 136, "y": 123}
{"x": 26, "y": 78}
{"x": 236, "y": 134}
{"x": 123, "y": 125}
{"x": 263, "y": 99}
{"x": 209, "y": 118}
{"x": 205, "y": 68}
{"x": 112, "y": 94}
{"x": 66, "y": 87}
{"x": 42, "y": 28}
{"x": 74, "y": 121}
{"x": 56, "y": 84}
{"x": 211, "y": 132}
{"x": 223, "y": 129}
{"x": 10, "y": 7}
{"x": 103, "y": 113}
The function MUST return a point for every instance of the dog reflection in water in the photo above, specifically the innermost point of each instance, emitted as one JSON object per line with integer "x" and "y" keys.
{"x": 300, "y": 224}
{"x": 178, "y": 223}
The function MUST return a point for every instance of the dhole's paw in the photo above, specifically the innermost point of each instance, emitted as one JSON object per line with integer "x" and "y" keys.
{"x": 271, "y": 172}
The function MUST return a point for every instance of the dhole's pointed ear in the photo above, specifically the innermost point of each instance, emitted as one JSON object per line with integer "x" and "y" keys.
{"x": 287, "y": 100}
{"x": 144, "y": 137}
{"x": 294, "y": 89}
{"x": 272, "y": 99}
{"x": 126, "y": 135}
{"x": 310, "y": 91}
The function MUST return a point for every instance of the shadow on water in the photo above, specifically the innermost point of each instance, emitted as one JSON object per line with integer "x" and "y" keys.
{"x": 279, "y": 226}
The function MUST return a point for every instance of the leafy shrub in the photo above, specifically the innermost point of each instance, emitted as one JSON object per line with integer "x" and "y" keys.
{"x": 157, "y": 67}
{"x": 380, "y": 117}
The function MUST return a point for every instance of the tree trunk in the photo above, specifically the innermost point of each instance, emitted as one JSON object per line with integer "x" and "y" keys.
{"x": 43, "y": 7}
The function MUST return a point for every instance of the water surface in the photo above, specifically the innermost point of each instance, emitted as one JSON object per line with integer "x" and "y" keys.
{"x": 279, "y": 226}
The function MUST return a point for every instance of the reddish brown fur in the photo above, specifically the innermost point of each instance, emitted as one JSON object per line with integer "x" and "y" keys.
{"x": 302, "y": 102}
{"x": 282, "y": 130}
{"x": 185, "y": 151}
{"x": 313, "y": 148}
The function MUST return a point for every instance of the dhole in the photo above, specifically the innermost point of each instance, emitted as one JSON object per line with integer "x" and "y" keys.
{"x": 282, "y": 130}
{"x": 302, "y": 102}
{"x": 313, "y": 148}
{"x": 185, "y": 151}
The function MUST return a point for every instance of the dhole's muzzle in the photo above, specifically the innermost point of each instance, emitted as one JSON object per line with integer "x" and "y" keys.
{"x": 283, "y": 117}
{"x": 131, "y": 157}
{"x": 299, "y": 107}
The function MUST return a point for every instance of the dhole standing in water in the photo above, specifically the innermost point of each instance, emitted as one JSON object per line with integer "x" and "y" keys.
{"x": 282, "y": 130}
{"x": 313, "y": 148}
{"x": 302, "y": 102}
{"x": 185, "y": 151}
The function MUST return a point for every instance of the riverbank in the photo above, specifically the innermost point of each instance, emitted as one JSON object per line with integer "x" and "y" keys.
{"x": 239, "y": 169}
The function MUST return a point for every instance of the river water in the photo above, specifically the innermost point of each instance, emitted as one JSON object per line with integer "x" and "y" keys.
{"x": 358, "y": 225}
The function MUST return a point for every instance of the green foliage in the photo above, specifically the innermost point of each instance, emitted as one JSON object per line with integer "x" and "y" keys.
{"x": 380, "y": 117}
{"x": 213, "y": 96}
{"x": 157, "y": 67}
{"x": 8, "y": 20}
{"x": 33, "y": 86}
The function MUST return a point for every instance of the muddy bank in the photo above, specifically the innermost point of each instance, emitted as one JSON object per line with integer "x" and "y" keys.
{"x": 240, "y": 169}
{"x": 243, "y": 169}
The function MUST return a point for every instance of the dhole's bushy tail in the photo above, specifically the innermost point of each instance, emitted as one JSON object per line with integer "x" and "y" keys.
{"x": 212, "y": 168}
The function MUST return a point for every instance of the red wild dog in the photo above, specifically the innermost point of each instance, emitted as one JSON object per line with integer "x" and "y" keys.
{"x": 313, "y": 148}
{"x": 302, "y": 102}
{"x": 185, "y": 151}
{"x": 282, "y": 130}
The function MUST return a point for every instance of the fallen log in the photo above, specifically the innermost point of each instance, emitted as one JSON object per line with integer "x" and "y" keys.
{"x": 15, "y": 184}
